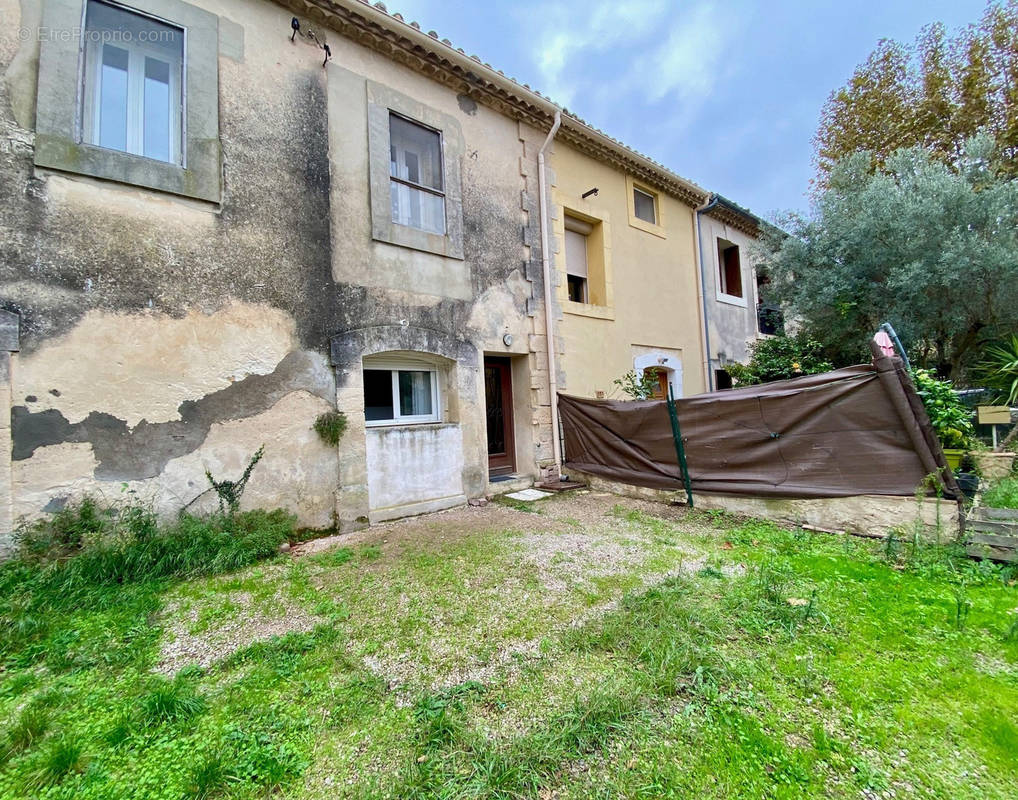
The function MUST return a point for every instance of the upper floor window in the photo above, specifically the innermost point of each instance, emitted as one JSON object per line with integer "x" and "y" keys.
{"x": 644, "y": 206}
{"x": 577, "y": 272}
{"x": 729, "y": 268}
{"x": 415, "y": 170}
{"x": 133, "y": 95}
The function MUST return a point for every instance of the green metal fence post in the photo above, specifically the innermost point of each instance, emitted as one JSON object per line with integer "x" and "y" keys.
{"x": 680, "y": 450}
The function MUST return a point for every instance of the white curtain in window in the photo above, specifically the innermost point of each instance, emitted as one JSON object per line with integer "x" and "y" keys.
{"x": 415, "y": 156}
{"x": 414, "y": 393}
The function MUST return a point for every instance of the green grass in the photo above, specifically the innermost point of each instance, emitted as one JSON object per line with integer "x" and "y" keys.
{"x": 1003, "y": 494}
{"x": 731, "y": 658}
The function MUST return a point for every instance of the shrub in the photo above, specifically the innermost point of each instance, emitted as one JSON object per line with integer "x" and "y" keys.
{"x": 1003, "y": 494}
{"x": 637, "y": 385}
{"x": 780, "y": 358}
{"x": 330, "y": 426}
{"x": 950, "y": 418}
{"x": 79, "y": 525}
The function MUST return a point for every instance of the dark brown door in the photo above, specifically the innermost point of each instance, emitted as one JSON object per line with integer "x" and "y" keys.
{"x": 498, "y": 402}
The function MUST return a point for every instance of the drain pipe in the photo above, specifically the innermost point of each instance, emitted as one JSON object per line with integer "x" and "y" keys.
{"x": 708, "y": 374}
{"x": 549, "y": 313}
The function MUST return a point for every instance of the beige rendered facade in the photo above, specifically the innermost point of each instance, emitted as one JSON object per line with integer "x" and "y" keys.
{"x": 641, "y": 307}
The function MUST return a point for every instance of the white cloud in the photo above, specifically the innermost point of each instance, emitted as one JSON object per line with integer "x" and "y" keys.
{"x": 594, "y": 55}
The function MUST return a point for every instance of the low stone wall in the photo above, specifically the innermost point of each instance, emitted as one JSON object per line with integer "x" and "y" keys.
{"x": 863, "y": 515}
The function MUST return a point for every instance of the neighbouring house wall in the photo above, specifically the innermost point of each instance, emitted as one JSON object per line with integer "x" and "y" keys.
{"x": 732, "y": 323}
{"x": 161, "y": 336}
{"x": 651, "y": 312}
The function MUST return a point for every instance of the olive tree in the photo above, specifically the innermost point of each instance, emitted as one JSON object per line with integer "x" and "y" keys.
{"x": 931, "y": 248}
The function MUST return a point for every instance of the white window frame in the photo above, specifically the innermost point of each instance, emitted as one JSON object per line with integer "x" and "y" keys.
{"x": 406, "y": 188}
{"x": 722, "y": 295}
{"x": 137, "y": 52}
{"x": 394, "y": 368}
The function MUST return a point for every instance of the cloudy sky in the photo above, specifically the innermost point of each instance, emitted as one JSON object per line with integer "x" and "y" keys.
{"x": 726, "y": 93}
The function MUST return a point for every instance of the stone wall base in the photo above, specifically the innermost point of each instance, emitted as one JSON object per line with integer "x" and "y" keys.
{"x": 863, "y": 515}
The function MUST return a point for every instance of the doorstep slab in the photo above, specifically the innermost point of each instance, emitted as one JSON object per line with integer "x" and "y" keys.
{"x": 529, "y": 494}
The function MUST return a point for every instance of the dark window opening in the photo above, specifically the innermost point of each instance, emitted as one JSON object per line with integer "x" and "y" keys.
{"x": 577, "y": 288}
{"x": 730, "y": 268}
{"x": 378, "y": 394}
{"x": 722, "y": 380}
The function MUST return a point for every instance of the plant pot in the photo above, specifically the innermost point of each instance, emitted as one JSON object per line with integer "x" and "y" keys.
{"x": 993, "y": 466}
{"x": 968, "y": 482}
{"x": 953, "y": 458}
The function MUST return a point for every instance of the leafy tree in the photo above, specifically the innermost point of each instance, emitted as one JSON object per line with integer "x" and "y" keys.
{"x": 779, "y": 358}
{"x": 932, "y": 250}
{"x": 935, "y": 93}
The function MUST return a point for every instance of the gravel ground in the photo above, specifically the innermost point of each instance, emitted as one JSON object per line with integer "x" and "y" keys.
{"x": 572, "y": 541}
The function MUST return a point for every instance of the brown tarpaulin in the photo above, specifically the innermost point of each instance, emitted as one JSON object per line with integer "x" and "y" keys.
{"x": 858, "y": 430}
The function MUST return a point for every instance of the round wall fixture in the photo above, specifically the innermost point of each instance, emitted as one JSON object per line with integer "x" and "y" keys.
{"x": 508, "y": 340}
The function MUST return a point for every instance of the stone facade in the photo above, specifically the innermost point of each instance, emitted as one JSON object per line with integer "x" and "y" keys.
{"x": 164, "y": 331}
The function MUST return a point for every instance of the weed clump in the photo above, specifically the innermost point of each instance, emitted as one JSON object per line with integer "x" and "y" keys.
{"x": 1003, "y": 494}
{"x": 119, "y": 552}
{"x": 330, "y": 427}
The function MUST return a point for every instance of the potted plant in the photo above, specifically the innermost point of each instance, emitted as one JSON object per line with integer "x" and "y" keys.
{"x": 950, "y": 418}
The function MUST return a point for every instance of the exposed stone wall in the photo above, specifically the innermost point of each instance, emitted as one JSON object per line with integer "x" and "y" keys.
{"x": 161, "y": 336}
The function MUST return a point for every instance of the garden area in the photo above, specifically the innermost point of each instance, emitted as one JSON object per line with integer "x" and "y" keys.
{"x": 581, "y": 646}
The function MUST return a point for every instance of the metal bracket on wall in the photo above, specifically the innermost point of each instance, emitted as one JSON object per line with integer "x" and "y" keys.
{"x": 680, "y": 449}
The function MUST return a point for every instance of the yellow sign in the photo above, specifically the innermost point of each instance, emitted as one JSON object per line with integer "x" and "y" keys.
{"x": 994, "y": 415}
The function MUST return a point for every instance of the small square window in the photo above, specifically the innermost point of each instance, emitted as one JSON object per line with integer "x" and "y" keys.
{"x": 415, "y": 175}
{"x": 393, "y": 396}
{"x": 645, "y": 206}
{"x": 133, "y": 83}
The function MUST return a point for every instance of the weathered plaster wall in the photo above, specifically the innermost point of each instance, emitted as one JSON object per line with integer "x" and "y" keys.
{"x": 732, "y": 325}
{"x": 162, "y": 335}
{"x": 654, "y": 294}
{"x": 418, "y": 301}
{"x": 414, "y": 467}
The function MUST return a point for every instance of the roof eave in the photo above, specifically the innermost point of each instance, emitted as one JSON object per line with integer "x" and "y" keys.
{"x": 426, "y": 53}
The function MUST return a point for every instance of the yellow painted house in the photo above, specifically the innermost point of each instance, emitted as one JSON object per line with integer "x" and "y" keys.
{"x": 626, "y": 268}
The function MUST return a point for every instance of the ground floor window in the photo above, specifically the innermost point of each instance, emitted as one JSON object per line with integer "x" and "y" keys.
{"x": 722, "y": 379}
{"x": 399, "y": 395}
